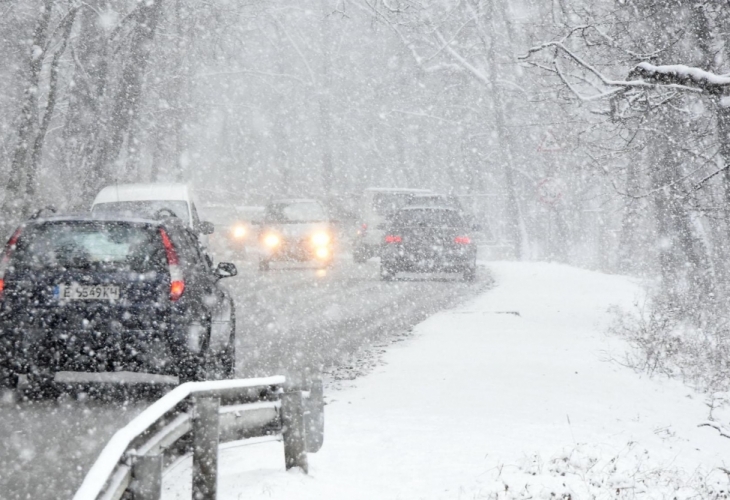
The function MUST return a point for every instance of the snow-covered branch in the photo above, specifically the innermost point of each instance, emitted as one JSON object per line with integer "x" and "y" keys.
{"x": 722, "y": 430}
{"x": 679, "y": 74}
{"x": 609, "y": 82}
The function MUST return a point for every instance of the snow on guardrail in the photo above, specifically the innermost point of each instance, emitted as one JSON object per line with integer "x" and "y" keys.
{"x": 117, "y": 446}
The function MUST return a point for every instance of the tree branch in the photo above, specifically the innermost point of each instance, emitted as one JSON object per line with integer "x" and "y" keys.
{"x": 723, "y": 432}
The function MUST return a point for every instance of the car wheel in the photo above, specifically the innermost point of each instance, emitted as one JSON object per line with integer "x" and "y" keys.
{"x": 41, "y": 386}
{"x": 263, "y": 265}
{"x": 8, "y": 378}
{"x": 360, "y": 255}
{"x": 470, "y": 273}
{"x": 196, "y": 367}
{"x": 387, "y": 273}
{"x": 191, "y": 369}
{"x": 228, "y": 358}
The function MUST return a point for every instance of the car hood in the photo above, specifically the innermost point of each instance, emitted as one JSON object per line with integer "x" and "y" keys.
{"x": 298, "y": 230}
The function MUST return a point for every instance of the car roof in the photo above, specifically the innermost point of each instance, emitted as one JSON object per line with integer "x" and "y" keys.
{"x": 143, "y": 192}
{"x": 106, "y": 218}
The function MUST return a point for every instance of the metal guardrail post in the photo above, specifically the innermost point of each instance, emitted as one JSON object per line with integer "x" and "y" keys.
{"x": 205, "y": 448}
{"x": 314, "y": 416}
{"x": 147, "y": 477}
{"x": 292, "y": 420}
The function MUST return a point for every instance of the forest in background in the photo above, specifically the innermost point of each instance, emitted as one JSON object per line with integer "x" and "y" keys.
{"x": 587, "y": 132}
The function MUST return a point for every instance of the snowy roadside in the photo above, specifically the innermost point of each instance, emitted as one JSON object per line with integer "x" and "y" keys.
{"x": 509, "y": 396}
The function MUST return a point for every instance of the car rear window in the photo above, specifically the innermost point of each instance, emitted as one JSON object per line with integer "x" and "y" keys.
{"x": 386, "y": 204}
{"x": 428, "y": 218}
{"x": 148, "y": 209}
{"x": 89, "y": 245}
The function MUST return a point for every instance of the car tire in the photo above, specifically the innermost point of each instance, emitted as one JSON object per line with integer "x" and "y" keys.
{"x": 8, "y": 378}
{"x": 387, "y": 273}
{"x": 41, "y": 386}
{"x": 470, "y": 273}
{"x": 228, "y": 358}
{"x": 191, "y": 369}
{"x": 196, "y": 367}
{"x": 264, "y": 265}
{"x": 360, "y": 255}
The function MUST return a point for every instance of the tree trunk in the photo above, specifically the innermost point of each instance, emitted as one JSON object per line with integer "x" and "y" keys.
{"x": 128, "y": 96}
{"x": 325, "y": 105}
{"x": 37, "y": 153}
{"x": 14, "y": 206}
{"x": 516, "y": 229}
{"x": 86, "y": 117}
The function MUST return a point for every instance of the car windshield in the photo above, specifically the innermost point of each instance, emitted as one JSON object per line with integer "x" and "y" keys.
{"x": 285, "y": 213}
{"x": 89, "y": 245}
{"x": 427, "y": 218}
{"x": 386, "y": 204}
{"x": 220, "y": 215}
{"x": 147, "y": 209}
{"x": 250, "y": 213}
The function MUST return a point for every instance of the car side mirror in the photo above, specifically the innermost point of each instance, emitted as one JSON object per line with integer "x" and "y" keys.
{"x": 225, "y": 270}
{"x": 382, "y": 225}
{"x": 205, "y": 227}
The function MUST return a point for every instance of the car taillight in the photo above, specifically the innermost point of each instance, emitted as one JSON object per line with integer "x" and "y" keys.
{"x": 462, "y": 240}
{"x": 393, "y": 238}
{"x": 6, "y": 257}
{"x": 363, "y": 229}
{"x": 177, "y": 283}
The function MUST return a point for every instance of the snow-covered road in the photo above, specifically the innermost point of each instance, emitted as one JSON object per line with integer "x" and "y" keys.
{"x": 288, "y": 319}
{"x": 512, "y": 395}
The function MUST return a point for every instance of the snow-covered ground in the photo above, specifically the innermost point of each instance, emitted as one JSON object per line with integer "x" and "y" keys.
{"x": 512, "y": 395}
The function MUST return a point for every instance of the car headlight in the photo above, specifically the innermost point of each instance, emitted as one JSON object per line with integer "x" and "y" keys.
{"x": 320, "y": 239}
{"x": 272, "y": 240}
{"x": 239, "y": 232}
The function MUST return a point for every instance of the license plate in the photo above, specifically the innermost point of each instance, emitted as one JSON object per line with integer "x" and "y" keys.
{"x": 75, "y": 291}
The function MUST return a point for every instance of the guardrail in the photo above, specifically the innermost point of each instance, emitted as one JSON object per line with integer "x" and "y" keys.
{"x": 197, "y": 416}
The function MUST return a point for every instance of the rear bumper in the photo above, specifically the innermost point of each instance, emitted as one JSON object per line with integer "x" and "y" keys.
{"x": 96, "y": 352}
{"x": 397, "y": 259}
{"x": 116, "y": 378}
{"x": 369, "y": 248}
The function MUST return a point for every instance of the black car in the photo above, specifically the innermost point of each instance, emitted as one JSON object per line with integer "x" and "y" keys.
{"x": 108, "y": 297}
{"x": 428, "y": 239}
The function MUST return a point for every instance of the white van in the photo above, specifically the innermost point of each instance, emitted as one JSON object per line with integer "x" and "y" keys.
{"x": 150, "y": 201}
{"x": 376, "y": 205}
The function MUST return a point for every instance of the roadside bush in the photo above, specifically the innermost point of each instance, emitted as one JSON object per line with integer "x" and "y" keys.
{"x": 591, "y": 472}
{"x": 688, "y": 343}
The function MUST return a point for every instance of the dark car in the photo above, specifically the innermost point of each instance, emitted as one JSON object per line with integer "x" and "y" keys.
{"x": 296, "y": 230}
{"x": 84, "y": 296}
{"x": 428, "y": 239}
